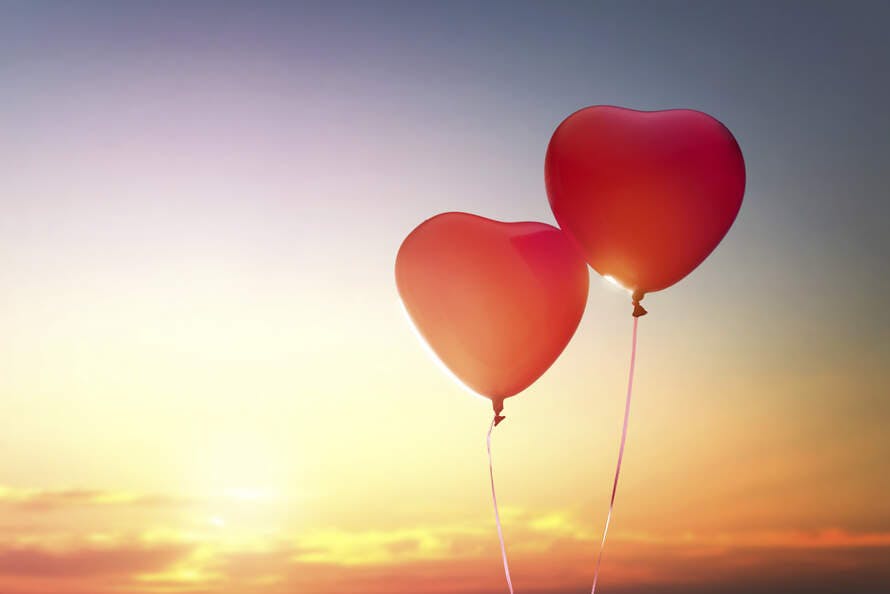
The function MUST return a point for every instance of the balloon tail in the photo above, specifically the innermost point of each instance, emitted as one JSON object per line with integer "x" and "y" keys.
{"x": 498, "y": 406}
{"x": 630, "y": 384}
{"x": 639, "y": 310}
{"x": 494, "y": 499}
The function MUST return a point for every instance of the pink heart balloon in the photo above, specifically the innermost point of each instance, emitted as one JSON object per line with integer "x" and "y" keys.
{"x": 647, "y": 195}
{"x": 497, "y": 302}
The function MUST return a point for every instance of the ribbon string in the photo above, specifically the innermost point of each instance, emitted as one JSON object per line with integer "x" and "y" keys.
{"x": 497, "y": 516}
{"x": 630, "y": 384}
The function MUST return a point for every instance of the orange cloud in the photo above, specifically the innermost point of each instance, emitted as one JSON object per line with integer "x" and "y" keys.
{"x": 550, "y": 552}
{"x": 87, "y": 561}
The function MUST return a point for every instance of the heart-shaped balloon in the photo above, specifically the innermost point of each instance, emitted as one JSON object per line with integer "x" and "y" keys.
{"x": 497, "y": 302}
{"x": 647, "y": 195}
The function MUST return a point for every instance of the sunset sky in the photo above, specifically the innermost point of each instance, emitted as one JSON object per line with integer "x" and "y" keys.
{"x": 207, "y": 381}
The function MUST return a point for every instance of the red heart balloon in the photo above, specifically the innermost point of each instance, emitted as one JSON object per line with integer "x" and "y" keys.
{"x": 497, "y": 302}
{"x": 647, "y": 195}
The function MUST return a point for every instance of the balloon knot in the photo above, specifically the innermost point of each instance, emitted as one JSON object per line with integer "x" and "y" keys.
{"x": 498, "y": 405}
{"x": 639, "y": 310}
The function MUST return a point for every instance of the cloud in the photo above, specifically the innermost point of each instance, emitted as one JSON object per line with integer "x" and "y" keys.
{"x": 381, "y": 547}
{"x": 550, "y": 552}
{"x": 46, "y": 500}
{"x": 87, "y": 561}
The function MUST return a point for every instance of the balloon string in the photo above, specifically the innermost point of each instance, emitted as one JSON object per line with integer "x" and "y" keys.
{"x": 630, "y": 384}
{"x": 497, "y": 516}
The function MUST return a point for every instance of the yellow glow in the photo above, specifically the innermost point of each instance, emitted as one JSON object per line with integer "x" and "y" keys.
{"x": 242, "y": 494}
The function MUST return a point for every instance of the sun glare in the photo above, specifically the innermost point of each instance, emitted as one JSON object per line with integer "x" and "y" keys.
{"x": 242, "y": 494}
